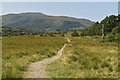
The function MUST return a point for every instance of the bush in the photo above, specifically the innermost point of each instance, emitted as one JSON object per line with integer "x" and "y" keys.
{"x": 52, "y": 53}
{"x": 95, "y": 66}
{"x": 110, "y": 68}
{"x": 116, "y": 30}
{"x": 104, "y": 64}
{"x": 21, "y": 54}
{"x": 33, "y": 59}
{"x": 73, "y": 58}
{"x": 75, "y": 34}
{"x": 76, "y": 53}
{"x": 110, "y": 37}
{"x": 63, "y": 35}
{"x": 46, "y": 52}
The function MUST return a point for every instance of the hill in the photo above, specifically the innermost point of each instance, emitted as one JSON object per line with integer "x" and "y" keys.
{"x": 111, "y": 25}
{"x": 111, "y": 28}
{"x": 40, "y": 22}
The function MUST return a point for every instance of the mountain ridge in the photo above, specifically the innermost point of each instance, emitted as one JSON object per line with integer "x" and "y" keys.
{"x": 40, "y": 21}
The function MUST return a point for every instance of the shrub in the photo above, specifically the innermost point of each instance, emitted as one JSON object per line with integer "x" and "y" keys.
{"x": 63, "y": 35}
{"x": 73, "y": 58}
{"x": 95, "y": 67}
{"x": 75, "y": 34}
{"x": 41, "y": 52}
{"x": 76, "y": 53}
{"x": 21, "y": 68}
{"x": 104, "y": 64}
{"x": 52, "y": 53}
{"x": 6, "y": 56}
{"x": 111, "y": 38}
{"x": 21, "y": 54}
{"x": 33, "y": 60}
{"x": 110, "y": 68}
{"x": 86, "y": 63}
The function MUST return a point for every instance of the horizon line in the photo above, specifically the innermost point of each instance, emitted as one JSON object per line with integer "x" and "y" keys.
{"x": 54, "y": 15}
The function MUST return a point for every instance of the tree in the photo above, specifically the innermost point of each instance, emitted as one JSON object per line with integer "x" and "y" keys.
{"x": 75, "y": 34}
{"x": 51, "y": 35}
{"x": 116, "y": 30}
{"x": 63, "y": 35}
{"x": 110, "y": 24}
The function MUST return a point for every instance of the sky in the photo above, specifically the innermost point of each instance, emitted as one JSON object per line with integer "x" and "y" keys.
{"x": 94, "y": 11}
{"x": 60, "y": 0}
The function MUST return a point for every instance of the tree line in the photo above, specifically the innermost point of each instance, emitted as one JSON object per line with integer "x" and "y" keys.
{"x": 19, "y": 31}
{"x": 110, "y": 26}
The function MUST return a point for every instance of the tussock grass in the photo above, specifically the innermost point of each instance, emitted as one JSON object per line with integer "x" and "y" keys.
{"x": 19, "y": 52}
{"x": 86, "y": 58}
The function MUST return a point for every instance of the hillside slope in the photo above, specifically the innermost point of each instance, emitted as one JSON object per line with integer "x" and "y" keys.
{"x": 40, "y": 21}
{"x": 111, "y": 25}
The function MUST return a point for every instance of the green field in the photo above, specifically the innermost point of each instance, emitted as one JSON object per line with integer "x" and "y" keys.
{"x": 84, "y": 57}
{"x": 19, "y": 52}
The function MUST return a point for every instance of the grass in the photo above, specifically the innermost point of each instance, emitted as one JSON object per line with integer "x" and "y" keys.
{"x": 19, "y": 52}
{"x": 86, "y": 58}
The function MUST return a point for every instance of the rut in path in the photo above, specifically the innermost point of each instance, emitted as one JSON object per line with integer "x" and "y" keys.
{"x": 37, "y": 69}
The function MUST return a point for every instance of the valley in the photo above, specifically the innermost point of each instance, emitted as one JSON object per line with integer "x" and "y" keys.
{"x": 59, "y": 47}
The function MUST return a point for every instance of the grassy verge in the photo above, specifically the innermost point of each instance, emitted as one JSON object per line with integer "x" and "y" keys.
{"x": 19, "y": 52}
{"x": 86, "y": 58}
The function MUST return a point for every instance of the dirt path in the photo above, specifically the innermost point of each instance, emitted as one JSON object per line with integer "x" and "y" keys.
{"x": 37, "y": 69}
{"x": 68, "y": 40}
